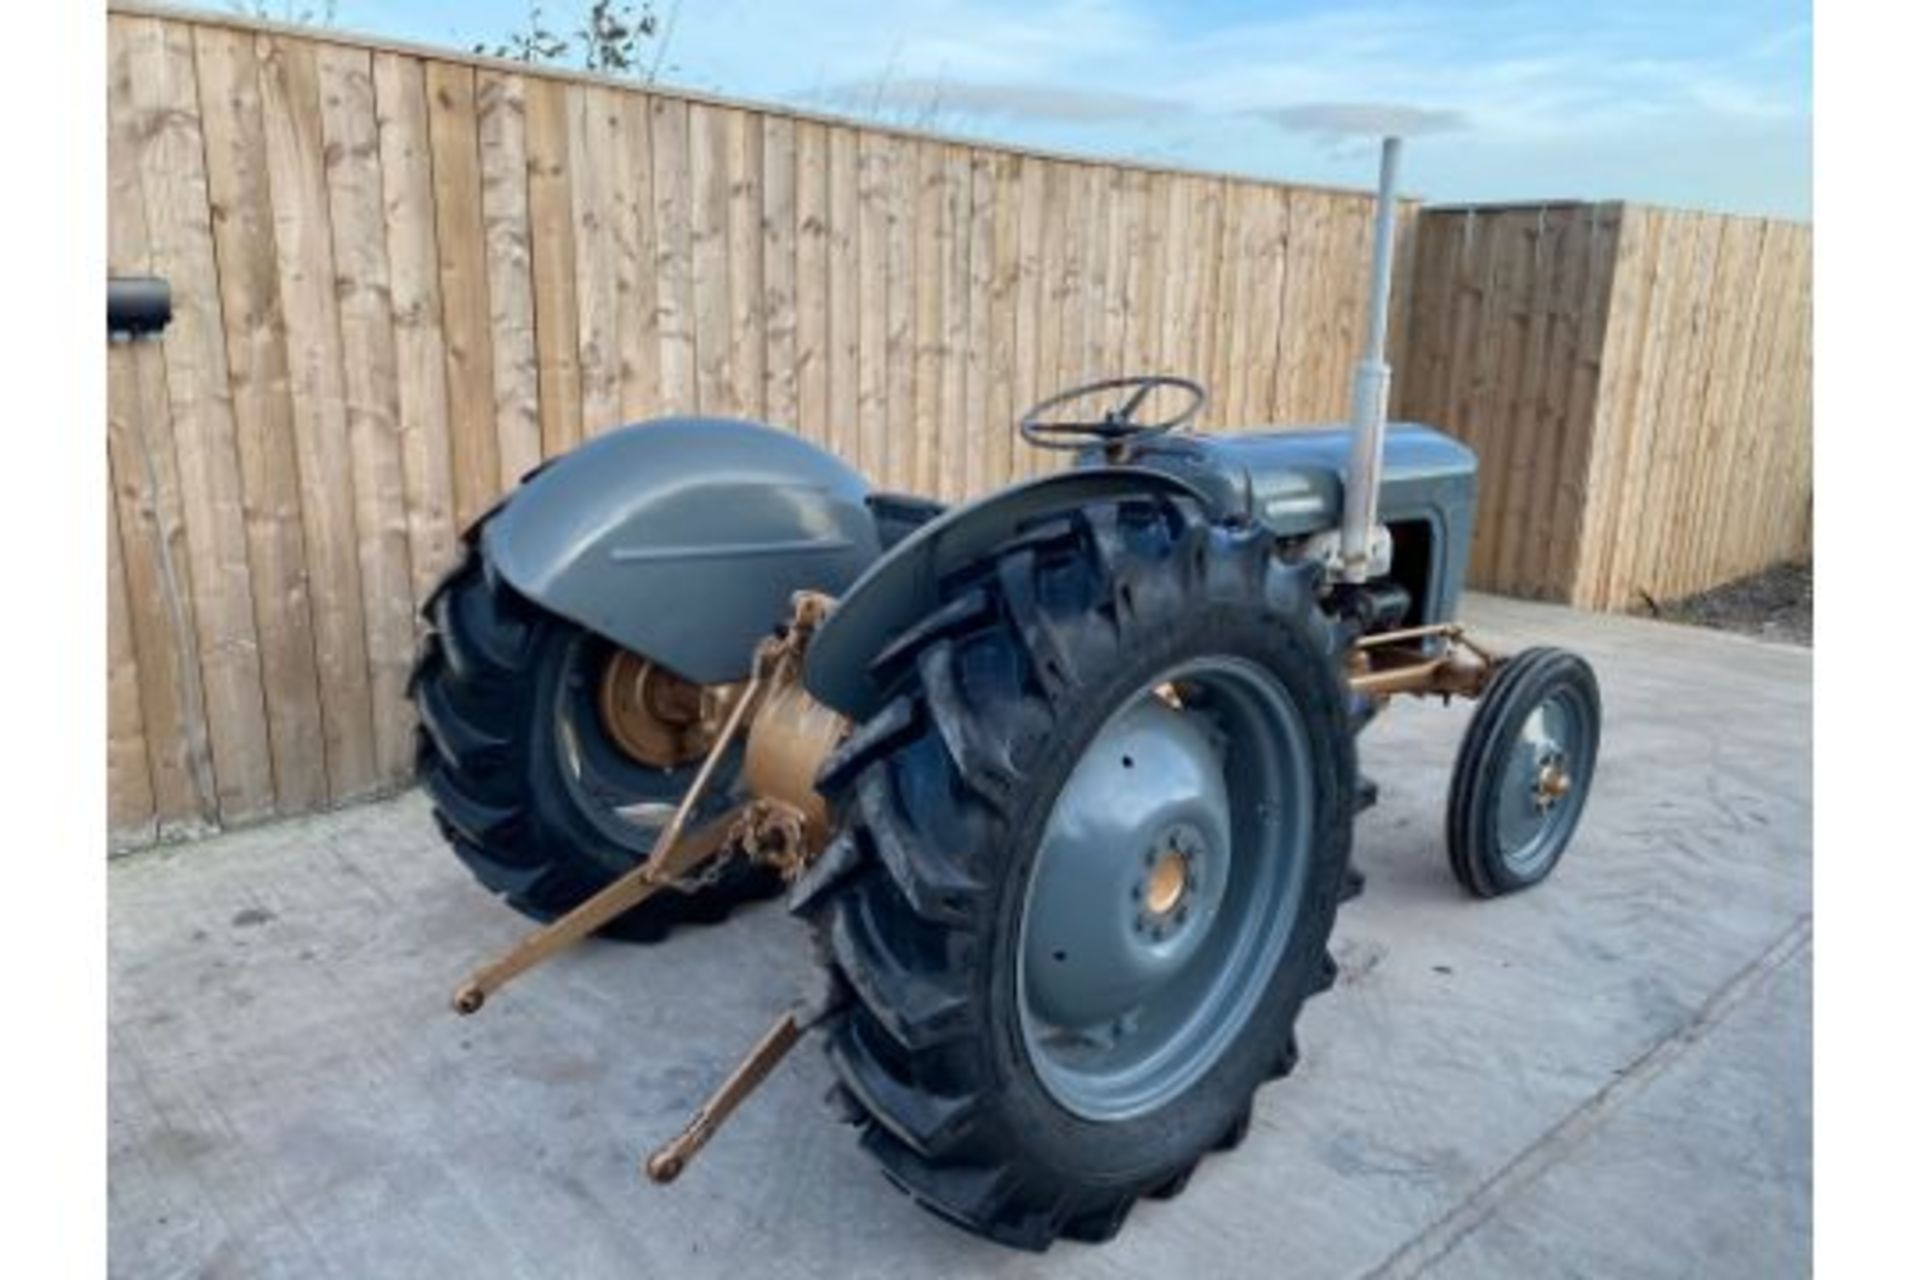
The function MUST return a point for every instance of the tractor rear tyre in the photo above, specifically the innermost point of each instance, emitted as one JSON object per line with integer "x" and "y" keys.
{"x": 1089, "y": 858}
{"x": 529, "y": 784}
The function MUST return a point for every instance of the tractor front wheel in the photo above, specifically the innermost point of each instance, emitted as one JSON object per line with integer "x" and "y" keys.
{"x": 1523, "y": 772}
{"x": 1089, "y": 860}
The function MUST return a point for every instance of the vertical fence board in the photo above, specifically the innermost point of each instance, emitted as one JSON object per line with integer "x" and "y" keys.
{"x": 779, "y": 269}
{"x": 971, "y": 437}
{"x": 870, "y": 303}
{"x": 500, "y": 110}
{"x": 296, "y": 167}
{"x": 1731, "y": 310}
{"x": 1052, "y": 271}
{"x": 420, "y": 349}
{"x": 556, "y": 315}
{"x": 1209, "y": 248}
{"x": 146, "y": 491}
{"x": 845, "y": 281}
{"x": 130, "y": 809}
{"x": 932, "y": 244}
{"x": 1672, "y": 241}
{"x": 235, "y": 144}
{"x": 899, "y": 286}
{"x": 1305, "y": 218}
{"x": 673, "y": 225}
{"x": 1147, "y": 279}
{"x": 1237, "y": 283}
{"x": 1627, "y": 307}
{"x": 636, "y": 249}
{"x": 746, "y": 280}
{"x": 1029, "y": 334}
{"x": 594, "y": 132}
{"x": 996, "y": 452}
{"x": 1528, "y": 427}
{"x": 354, "y": 193}
{"x": 1573, "y": 484}
{"x": 170, "y": 159}
{"x": 1095, "y": 359}
{"x": 1069, "y": 294}
{"x": 812, "y": 284}
{"x": 473, "y": 437}
{"x": 952, "y": 426}
{"x": 712, "y": 291}
{"x": 1112, "y": 319}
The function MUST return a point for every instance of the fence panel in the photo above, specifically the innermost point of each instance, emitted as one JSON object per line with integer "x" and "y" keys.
{"x": 1637, "y": 382}
{"x": 401, "y": 278}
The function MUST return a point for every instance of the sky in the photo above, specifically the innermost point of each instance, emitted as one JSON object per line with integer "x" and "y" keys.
{"x": 1703, "y": 105}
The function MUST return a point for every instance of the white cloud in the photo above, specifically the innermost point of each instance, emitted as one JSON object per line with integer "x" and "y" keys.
{"x": 1532, "y": 87}
{"x": 1364, "y": 119}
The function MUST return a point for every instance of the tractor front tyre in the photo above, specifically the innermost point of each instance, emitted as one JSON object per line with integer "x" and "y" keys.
{"x": 1523, "y": 772}
{"x": 1089, "y": 859}
{"x": 530, "y": 784}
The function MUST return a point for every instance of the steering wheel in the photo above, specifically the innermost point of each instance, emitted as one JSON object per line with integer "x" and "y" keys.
{"x": 1116, "y": 424}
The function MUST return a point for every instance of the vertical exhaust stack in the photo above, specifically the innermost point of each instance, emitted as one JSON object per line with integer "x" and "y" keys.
{"x": 1371, "y": 378}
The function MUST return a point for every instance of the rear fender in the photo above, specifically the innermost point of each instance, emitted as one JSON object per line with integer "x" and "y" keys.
{"x": 684, "y": 538}
{"x": 904, "y": 585}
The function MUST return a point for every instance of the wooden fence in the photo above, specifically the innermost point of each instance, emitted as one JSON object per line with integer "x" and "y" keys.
{"x": 1638, "y": 384}
{"x": 403, "y": 278}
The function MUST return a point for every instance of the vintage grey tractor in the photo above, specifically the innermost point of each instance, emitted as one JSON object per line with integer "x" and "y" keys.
{"x": 1063, "y": 779}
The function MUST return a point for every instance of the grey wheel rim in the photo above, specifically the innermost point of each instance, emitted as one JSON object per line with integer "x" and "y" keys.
{"x": 1543, "y": 781}
{"x": 1166, "y": 886}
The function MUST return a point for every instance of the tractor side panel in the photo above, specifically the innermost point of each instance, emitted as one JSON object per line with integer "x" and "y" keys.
{"x": 903, "y": 587}
{"x": 684, "y": 538}
{"x": 1293, "y": 480}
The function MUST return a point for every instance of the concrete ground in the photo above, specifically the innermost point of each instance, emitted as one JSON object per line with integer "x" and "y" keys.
{"x": 1609, "y": 1076}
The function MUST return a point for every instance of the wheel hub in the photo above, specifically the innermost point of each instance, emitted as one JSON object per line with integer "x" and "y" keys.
{"x": 1131, "y": 867}
{"x": 655, "y": 716}
{"x": 1553, "y": 782}
{"x": 1164, "y": 888}
{"x": 1539, "y": 775}
{"x": 1166, "y": 884}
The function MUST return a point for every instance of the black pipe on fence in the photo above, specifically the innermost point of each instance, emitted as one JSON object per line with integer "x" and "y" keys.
{"x": 138, "y": 306}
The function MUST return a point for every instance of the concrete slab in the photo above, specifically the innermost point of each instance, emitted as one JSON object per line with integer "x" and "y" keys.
{"x": 1610, "y": 1075}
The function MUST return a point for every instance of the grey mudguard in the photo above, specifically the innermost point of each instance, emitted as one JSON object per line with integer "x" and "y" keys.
{"x": 683, "y": 538}
{"x": 903, "y": 587}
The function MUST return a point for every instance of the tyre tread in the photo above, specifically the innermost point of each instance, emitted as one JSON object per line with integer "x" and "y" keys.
{"x": 897, "y": 911}
{"x": 473, "y": 686}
